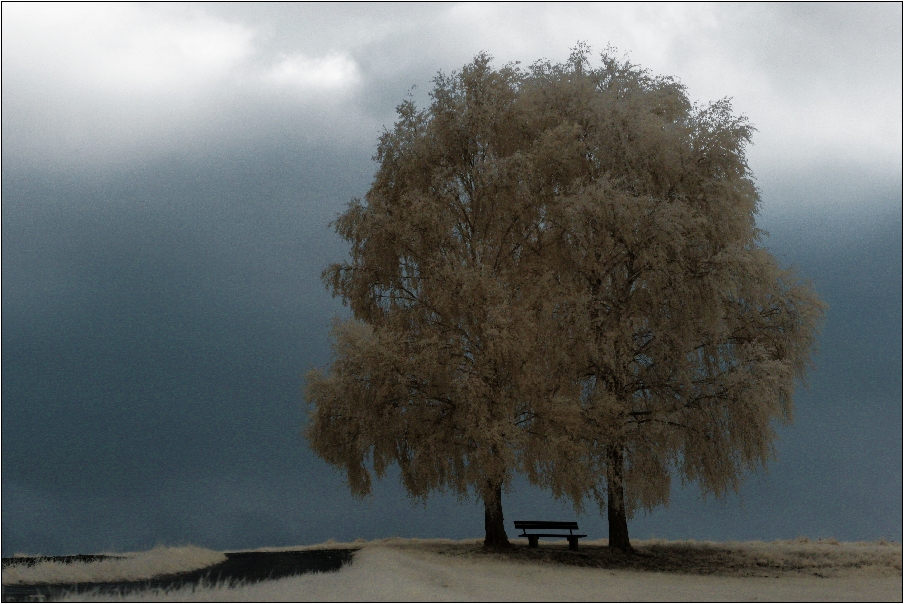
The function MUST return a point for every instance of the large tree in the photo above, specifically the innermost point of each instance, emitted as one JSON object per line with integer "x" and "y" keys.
{"x": 557, "y": 272}
{"x": 687, "y": 337}
{"x": 444, "y": 353}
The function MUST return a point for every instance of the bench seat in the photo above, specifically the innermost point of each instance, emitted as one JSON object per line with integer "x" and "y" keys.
{"x": 533, "y": 538}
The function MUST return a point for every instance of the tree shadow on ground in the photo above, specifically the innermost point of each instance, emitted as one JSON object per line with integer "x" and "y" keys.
{"x": 703, "y": 558}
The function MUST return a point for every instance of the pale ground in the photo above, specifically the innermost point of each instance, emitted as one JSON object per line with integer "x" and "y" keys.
{"x": 442, "y": 570}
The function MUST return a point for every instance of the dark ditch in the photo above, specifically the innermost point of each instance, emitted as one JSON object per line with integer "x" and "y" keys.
{"x": 238, "y": 568}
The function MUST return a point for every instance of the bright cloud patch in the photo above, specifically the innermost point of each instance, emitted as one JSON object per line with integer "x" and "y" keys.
{"x": 306, "y": 73}
{"x": 120, "y": 48}
{"x": 181, "y": 53}
{"x": 99, "y": 83}
{"x": 104, "y": 84}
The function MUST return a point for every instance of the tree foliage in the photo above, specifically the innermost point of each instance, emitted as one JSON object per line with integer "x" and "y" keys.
{"x": 556, "y": 271}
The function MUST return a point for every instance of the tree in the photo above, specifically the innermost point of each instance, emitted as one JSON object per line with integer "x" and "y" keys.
{"x": 687, "y": 337}
{"x": 557, "y": 272}
{"x": 444, "y": 353}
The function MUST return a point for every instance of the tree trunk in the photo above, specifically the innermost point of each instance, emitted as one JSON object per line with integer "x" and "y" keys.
{"x": 493, "y": 521}
{"x": 615, "y": 489}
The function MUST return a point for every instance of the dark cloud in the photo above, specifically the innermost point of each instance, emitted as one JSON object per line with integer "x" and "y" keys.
{"x": 133, "y": 320}
{"x": 157, "y": 325}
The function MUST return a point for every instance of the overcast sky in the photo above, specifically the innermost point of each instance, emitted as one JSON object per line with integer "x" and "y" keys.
{"x": 169, "y": 172}
{"x": 96, "y": 84}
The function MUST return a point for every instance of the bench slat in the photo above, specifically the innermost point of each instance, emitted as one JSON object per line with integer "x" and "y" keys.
{"x": 541, "y": 524}
{"x": 559, "y": 535}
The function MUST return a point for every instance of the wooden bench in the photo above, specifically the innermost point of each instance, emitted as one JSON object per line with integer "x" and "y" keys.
{"x": 539, "y": 525}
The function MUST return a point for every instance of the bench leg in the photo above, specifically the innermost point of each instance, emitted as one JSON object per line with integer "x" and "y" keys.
{"x": 533, "y": 541}
{"x": 573, "y": 543}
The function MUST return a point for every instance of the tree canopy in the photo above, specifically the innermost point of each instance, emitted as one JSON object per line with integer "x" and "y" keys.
{"x": 557, "y": 272}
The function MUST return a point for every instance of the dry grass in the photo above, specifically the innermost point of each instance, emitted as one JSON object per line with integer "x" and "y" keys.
{"x": 126, "y": 567}
{"x": 798, "y": 557}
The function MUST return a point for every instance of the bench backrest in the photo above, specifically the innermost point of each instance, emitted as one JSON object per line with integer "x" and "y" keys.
{"x": 544, "y": 524}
